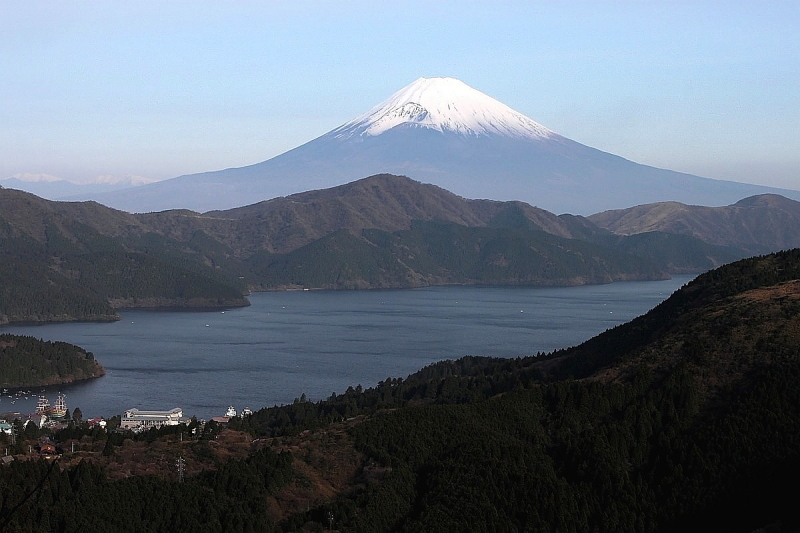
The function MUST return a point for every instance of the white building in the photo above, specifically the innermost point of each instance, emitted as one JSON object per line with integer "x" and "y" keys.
{"x": 137, "y": 419}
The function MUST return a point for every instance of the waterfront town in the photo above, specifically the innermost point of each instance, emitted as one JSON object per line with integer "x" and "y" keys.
{"x": 51, "y": 430}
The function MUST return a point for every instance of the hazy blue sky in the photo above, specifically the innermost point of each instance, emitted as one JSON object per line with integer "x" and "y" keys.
{"x": 160, "y": 89}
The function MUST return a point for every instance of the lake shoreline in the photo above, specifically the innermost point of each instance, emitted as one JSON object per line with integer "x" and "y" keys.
{"x": 287, "y": 343}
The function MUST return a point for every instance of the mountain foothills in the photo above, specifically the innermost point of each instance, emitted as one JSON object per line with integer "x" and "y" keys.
{"x": 65, "y": 261}
{"x": 442, "y": 131}
{"x": 686, "y": 418}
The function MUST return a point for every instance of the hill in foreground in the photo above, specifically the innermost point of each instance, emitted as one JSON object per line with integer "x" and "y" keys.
{"x": 687, "y": 418}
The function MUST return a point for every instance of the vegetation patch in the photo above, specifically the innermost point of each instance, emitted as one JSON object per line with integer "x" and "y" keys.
{"x": 28, "y": 362}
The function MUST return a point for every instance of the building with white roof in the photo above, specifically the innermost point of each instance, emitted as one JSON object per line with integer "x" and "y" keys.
{"x": 138, "y": 419}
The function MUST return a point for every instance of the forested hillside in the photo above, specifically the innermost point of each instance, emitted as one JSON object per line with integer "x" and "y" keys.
{"x": 55, "y": 266}
{"x": 80, "y": 261}
{"x": 442, "y": 253}
{"x": 29, "y": 362}
{"x": 687, "y": 418}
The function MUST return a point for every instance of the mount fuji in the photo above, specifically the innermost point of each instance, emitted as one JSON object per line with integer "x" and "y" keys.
{"x": 441, "y": 131}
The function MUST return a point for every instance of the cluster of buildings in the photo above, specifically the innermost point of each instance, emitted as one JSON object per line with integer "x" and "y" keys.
{"x": 141, "y": 420}
{"x": 132, "y": 419}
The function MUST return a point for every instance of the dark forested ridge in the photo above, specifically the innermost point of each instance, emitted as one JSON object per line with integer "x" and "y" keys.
{"x": 57, "y": 264}
{"x": 63, "y": 261}
{"x": 686, "y": 418}
{"x": 29, "y": 362}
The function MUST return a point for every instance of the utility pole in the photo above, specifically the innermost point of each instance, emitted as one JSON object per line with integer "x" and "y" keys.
{"x": 181, "y": 464}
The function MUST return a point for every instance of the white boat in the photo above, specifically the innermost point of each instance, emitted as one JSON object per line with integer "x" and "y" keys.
{"x": 230, "y": 412}
{"x": 246, "y": 411}
{"x": 42, "y": 406}
{"x": 59, "y": 409}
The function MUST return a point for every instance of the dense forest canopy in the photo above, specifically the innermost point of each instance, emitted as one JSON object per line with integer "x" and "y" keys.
{"x": 29, "y": 362}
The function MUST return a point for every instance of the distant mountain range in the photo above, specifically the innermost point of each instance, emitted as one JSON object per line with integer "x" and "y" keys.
{"x": 81, "y": 260}
{"x": 52, "y": 188}
{"x": 441, "y": 131}
{"x": 757, "y": 225}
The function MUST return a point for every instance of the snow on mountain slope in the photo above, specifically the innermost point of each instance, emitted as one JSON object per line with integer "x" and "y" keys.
{"x": 444, "y": 104}
{"x": 441, "y": 131}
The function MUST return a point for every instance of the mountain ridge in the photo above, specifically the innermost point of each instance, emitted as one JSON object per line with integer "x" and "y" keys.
{"x": 385, "y": 202}
{"x": 379, "y": 232}
{"x": 758, "y": 224}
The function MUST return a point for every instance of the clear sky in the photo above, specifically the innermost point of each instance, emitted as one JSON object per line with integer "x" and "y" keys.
{"x": 161, "y": 89}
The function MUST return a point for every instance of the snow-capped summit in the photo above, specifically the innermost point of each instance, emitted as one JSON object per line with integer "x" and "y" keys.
{"x": 444, "y": 104}
{"x": 441, "y": 131}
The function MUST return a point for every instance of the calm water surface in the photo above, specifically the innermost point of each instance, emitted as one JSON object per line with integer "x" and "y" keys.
{"x": 318, "y": 342}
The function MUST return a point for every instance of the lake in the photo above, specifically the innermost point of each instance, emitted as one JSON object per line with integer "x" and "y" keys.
{"x": 318, "y": 342}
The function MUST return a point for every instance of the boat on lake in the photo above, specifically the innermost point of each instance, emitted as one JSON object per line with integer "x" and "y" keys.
{"x": 59, "y": 409}
{"x": 42, "y": 406}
